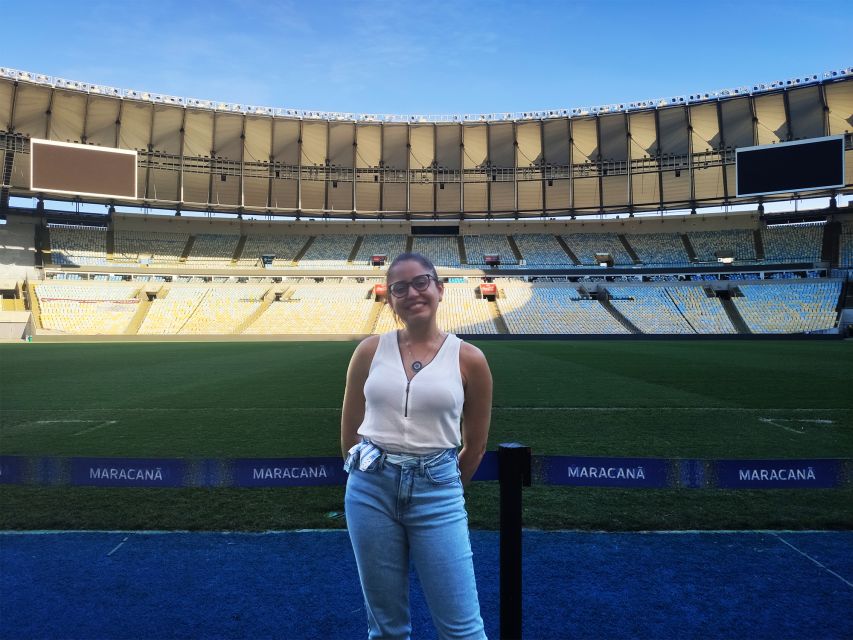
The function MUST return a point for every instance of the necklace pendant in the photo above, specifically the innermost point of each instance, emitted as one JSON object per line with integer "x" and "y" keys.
{"x": 417, "y": 365}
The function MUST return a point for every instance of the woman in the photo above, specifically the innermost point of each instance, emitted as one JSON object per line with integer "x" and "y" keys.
{"x": 400, "y": 430}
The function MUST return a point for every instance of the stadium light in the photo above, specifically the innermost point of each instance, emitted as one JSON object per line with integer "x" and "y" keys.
{"x": 74, "y": 85}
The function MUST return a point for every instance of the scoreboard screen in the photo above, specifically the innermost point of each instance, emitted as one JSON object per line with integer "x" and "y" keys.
{"x": 82, "y": 170}
{"x": 790, "y": 167}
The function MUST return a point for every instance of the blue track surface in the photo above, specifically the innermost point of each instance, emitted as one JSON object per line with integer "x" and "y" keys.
{"x": 304, "y": 585}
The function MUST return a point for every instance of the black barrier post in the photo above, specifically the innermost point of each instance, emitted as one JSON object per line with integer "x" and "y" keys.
{"x": 513, "y": 473}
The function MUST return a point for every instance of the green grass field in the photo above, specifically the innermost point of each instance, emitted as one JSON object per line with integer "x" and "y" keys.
{"x": 730, "y": 399}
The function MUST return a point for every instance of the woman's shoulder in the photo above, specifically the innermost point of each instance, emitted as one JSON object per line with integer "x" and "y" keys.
{"x": 470, "y": 357}
{"x": 472, "y": 364}
{"x": 369, "y": 345}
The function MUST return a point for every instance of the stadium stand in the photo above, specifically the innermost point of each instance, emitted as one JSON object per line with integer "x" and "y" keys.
{"x": 183, "y": 255}
{"x": 284, "y": 248}
{"x": 78, "y": 245}
{"x": 650, "y": 309}
{"x": 528, "y": 308}
{"x": 664, "y": 249}
{"x": 317, "y": 309}
{"x": 705, "y": 314}
{"x": 461, "y": 311}
{"x": 169, "y": 314}
{"x": 385, "y": 321}
{"x": 214, "y": 250}
{"x": 442, "y": 251}
{"x": 141, "y": 247}
{"x": 86, "y": 309}
{"x": 383, "y": 244}
{"x": 541, "y": 250}
{"x": 707, "y": 244}
{"x": 479, "y": 246}
{"x": 328, "y": 252}
{"x": 224, "y": 308}
{"x": 306, "y": 306}
{"x": 789, "y": 308}
{"x": 792, "y": 243}
{"x": 86, "y": 246}
{"x": 586, "y": 245}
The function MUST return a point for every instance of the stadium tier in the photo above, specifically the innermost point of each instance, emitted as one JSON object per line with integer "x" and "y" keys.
{"x": 477, "y": 248}
{"x": 283, "y": 249}
{"x": 212, "y": 250}
{"x": 586, "y": 246}
{"x": 442, "y": 251}
{"x": 149, "y": 247}
{"x": 86, "y": 246}
{"x": 665, "y": 249}
{"x": 553, "y": 309}
{"x": 792, "y": 243}
{"x": 688, "y": 275}
{"x": 790, "y": 308}
{"x": 382, "y": 244}
{"x": 340, "y": 306}
{"x": 78, "y": 245}
{"x": 738, "y": 244}
{"x": 542, "y": 250}
{"x": 650, "y": 309}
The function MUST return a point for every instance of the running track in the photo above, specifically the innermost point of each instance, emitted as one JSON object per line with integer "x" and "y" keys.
{"x": 99, "y": 585}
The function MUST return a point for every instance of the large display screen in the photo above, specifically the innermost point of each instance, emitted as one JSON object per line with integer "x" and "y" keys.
{"x": 82, "y": 170}
{"x": 790, "y": 167}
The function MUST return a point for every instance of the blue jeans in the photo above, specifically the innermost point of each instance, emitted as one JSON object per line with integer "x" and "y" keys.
{"x": 413, "y": 509}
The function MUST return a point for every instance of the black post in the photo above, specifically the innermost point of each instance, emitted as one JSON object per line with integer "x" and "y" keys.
{"x": 513, "y": 473}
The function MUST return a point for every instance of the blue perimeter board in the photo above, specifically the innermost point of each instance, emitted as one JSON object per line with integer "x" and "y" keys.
{"x": 304, "y": 584}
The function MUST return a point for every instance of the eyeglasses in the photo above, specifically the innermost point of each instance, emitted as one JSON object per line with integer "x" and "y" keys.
{"x": 420, "y": 283}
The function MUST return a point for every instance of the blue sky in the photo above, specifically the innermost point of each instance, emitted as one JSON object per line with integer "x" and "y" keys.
{"x": 426, "y": 57}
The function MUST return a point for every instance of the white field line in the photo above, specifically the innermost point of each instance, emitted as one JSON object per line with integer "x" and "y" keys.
{"x": 100, "y": 423}
{"x": 805, "y": 555}
{"x": 117, "y": 546}
{"x": 104, "y": 423}
{"x": 776, "y": 423}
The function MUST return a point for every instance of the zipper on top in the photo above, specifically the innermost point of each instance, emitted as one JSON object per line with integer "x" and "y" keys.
{"x": 406, "y": 408}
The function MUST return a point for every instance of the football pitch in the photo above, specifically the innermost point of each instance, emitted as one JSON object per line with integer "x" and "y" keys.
{"x": 670, "y": 399}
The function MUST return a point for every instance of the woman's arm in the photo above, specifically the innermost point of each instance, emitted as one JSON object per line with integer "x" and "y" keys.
{"x": 352, "y": 414}
{"x": 477, "y": 411}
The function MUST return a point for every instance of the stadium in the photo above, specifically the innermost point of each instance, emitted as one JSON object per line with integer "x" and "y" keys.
{"x": 183, "y": 282}
{"x": 541, "y": 223}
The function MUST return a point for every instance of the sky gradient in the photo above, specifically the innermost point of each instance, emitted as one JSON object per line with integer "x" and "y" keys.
{"x": 427, "y": 57}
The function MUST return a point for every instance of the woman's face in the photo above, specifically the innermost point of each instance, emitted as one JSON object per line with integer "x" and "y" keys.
{"x": 415, "y": 306}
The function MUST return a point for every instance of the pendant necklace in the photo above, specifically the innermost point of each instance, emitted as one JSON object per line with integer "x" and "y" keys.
{"x": 417, "y": 365}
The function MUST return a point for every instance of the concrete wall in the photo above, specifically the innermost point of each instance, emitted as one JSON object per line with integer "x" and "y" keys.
{"x": 14, "y": 325}
{"x": 17, "y": 247}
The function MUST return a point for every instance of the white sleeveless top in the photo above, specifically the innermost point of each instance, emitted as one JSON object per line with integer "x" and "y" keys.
{"x": 420, "y": 416}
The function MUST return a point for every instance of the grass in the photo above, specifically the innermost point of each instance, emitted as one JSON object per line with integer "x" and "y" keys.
{"x": 229, "y": 400}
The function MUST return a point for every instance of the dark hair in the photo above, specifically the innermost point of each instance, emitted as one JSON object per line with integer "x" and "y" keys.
{"x": 416, "y": 257}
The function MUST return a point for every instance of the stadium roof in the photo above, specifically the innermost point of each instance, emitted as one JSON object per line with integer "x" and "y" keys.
{"x": 658, "y": 154}
{"x": 307, "y": 114}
